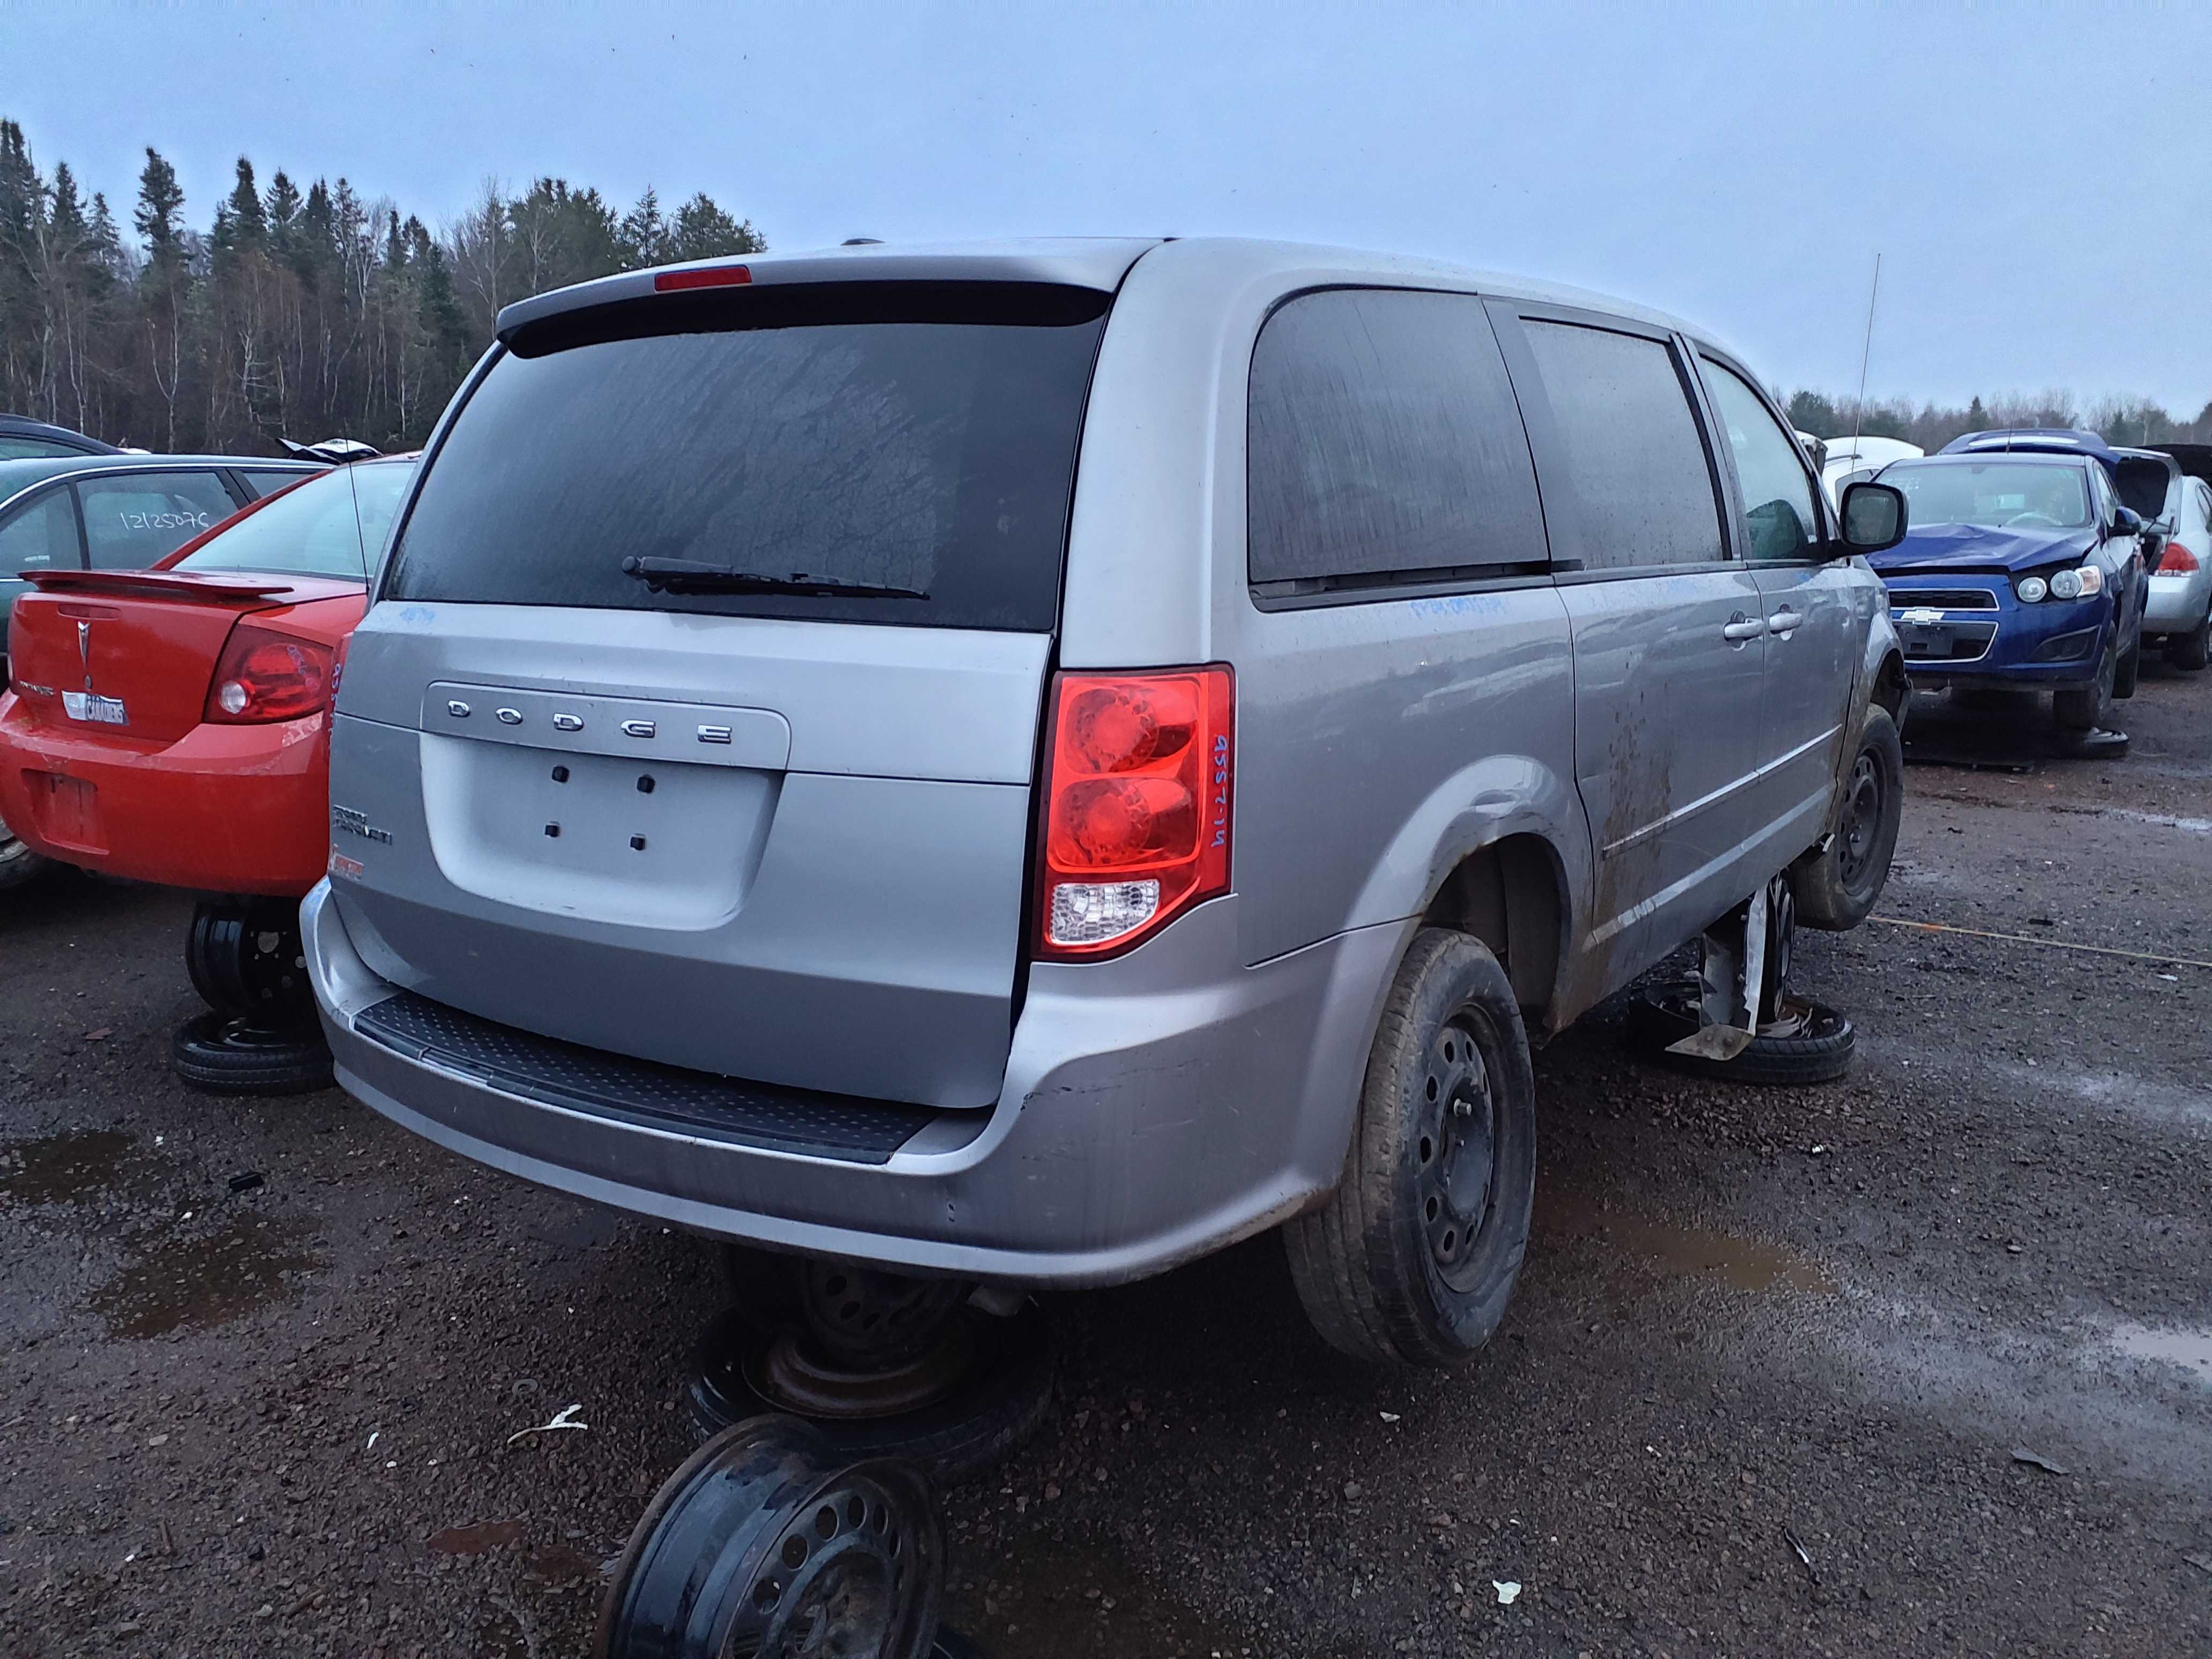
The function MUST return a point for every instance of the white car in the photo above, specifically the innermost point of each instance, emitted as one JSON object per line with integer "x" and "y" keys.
{"x": 1848, "y": 460}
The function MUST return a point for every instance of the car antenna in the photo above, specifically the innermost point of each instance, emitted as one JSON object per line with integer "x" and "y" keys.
{"x": 1858, "y": 409}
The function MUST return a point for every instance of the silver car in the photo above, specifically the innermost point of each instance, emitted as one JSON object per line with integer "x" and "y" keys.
{"x": 2178, "y": 608}
{"x": 1035, "y": 762}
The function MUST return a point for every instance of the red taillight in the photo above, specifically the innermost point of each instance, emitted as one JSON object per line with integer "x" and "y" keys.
{"x": 2178, "y": 561}
{"x": 264, "y": 674}
{"x": 669, "y": 281}
{"x": 1137, "y": 779}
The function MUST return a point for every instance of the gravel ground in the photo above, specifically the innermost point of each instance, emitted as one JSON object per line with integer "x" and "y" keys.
{"x": 1775, "y": 1361}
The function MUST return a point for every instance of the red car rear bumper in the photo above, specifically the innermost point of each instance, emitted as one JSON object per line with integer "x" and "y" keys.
{"x": 225, "y": 809}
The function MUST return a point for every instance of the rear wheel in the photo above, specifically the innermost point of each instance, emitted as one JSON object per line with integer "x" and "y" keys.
{"x": 2191, "y": 651}
{"x": 1837, "y": 884}
{"x": 2085, "y": 708}
{"x": 1414, "y": 1258}
{"x": 18, "y": 863}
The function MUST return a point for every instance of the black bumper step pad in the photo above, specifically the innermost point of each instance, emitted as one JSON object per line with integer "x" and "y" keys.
{"x": 568, "y": 1075}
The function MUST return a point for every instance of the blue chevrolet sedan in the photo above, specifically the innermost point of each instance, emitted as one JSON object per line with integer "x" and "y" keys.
{"x": 2021, "y": 569}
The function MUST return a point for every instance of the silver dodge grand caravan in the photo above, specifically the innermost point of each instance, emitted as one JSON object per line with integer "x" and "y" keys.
{"x": 1034, "y": 761}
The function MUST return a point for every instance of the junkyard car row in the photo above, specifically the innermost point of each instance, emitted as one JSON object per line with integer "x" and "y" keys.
{"x": 962, "y": 772}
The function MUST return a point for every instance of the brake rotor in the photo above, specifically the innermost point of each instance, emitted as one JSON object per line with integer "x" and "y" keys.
{"x": 766, "y": 1544}
{"x": 792, "y": 1372}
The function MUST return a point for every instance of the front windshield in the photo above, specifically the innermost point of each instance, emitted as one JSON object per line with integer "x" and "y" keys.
{"x": 331, "y": 526}
{"x": 2000, "y": 495}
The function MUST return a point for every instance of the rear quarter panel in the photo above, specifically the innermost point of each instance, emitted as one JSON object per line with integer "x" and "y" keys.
{"x": 1378, "y": 742}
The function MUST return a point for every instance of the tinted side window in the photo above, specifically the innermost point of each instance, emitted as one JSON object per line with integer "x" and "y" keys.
{"x": 1384, "y": 443}
{"x": 21, "y": 449}
{"x": 132, "y": 519}
{"x": 40, "y": 535}
{"x": 1635, "y": 458}
{"x": 1778, "y": 491}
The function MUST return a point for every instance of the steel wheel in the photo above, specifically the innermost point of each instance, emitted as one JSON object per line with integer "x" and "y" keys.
{"x": 1457, "y": 1152}
{"x": 246, "y": 961}
{"x": 765, "y": 1543}
{"x": 1858, "y": 830}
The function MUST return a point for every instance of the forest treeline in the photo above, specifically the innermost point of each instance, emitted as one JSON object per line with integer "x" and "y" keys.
{"x": 316, "y": 312}
{"x": 2124, "y": 422}
{"x": 301, "y": 313}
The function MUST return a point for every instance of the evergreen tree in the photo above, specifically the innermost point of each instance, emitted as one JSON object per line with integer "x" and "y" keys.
{"x": 701, "y": 230}
{"x": 297, "y": 312}
{"x": 643, "y": 237}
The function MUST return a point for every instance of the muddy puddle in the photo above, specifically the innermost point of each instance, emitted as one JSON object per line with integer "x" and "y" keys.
{"x": 1073, "y": 1601}
{"x": 62, "y": 1169}
{"x": 206, "y": 1280}
{"x": 2190, "y": 1351}
{"x": 1678, "y": 1249}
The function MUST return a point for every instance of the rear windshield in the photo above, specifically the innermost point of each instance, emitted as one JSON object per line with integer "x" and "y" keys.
{"x": 332, "y": 526}
{"x": 2006, "y": 495}
{"x": 926, "y": 450}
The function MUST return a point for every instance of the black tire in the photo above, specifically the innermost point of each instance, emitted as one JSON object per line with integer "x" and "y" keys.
{"x": 2085, "y": 708}
{"x": 952, "y": 1440}
{"x": 1820, "y": 1054}
{"x": 246, "y": 961}
{"x": 18, "y": 863}
{"x": 1383, "y": 1269}
{"x": 2190, "y": 651}
{"x": 2129, "y": 671}
{"x": 229, "y": 1056}
{"x": 770, "y": 1540}
{"x": 1838, "y": 885}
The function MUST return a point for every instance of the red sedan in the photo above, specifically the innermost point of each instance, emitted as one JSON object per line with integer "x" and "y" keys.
{"x": 170, "y": 725}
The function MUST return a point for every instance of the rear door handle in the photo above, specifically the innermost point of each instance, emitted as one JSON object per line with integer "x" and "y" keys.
{"x": 1741, "y": 628}
{"x": 1782, "y": 621}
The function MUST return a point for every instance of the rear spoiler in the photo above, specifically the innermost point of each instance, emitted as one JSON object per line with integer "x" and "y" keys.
{"x": 1099, "y": 264}
{"x": 159, "y": 584}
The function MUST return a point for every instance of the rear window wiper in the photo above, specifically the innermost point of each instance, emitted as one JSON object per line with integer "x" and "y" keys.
{"x": 691, "y": 576}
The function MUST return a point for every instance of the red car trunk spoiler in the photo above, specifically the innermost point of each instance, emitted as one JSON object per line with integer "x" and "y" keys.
{"x": 159, "y": 584}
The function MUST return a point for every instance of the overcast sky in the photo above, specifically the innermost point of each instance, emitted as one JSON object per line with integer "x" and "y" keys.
{"x": 2035, "y": 177}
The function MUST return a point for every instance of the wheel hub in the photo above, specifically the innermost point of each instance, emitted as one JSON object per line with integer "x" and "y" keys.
{"x": 1456, "y": 1150}
{"x": 1862, "y": 817}
{"x": 793, "y": 1373}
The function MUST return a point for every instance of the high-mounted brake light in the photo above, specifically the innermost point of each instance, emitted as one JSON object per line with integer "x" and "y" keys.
{"x": 264, "y": 674}
{"x": 2176, "y": 560}
{"x": 668, "y": 282}
{"x": 1136, "y": 820}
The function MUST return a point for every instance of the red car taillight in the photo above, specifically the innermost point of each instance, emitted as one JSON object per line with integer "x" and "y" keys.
{"x": 2178, "y": 561}
{"x": 1136, "y": 808}
{"x": 263, "y": 675}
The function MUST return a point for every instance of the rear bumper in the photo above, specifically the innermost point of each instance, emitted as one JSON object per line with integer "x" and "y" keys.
{"x": 1155, "y": 1107}
{"x": 2175, "y": 604}
{"x": 226, "y": 809}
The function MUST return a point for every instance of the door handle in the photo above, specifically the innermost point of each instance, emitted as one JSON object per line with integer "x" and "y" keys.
{"x": 1741, "y": 628}
{"x": 1782, "y": 621}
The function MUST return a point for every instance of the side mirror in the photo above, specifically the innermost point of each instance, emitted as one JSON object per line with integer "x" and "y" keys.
{"x": 1874, "y": 517}
{"x": 2126, "y": 521}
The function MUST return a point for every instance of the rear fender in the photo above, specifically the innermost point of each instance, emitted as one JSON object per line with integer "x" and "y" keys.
{"x": 1495, "y": 799}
